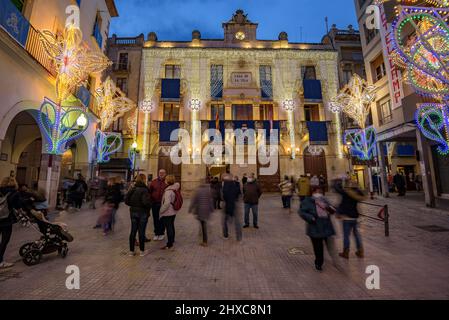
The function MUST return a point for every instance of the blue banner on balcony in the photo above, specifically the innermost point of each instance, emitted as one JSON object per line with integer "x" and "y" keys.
{"x": 12, "y": 20}
{"x": 83, "y": 95}
{"x": 317, "y": 132}
{"x": 312, "y": 90}
{"x": 405, "y": 150}
{"x": 171, "y": 89}
{"x": 165, "y": 130}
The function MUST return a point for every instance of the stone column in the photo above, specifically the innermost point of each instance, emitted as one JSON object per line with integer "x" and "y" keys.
{"x": 424, "y": 162}
{"x": 383, "y": 172}
{"x": 49, "y": 177}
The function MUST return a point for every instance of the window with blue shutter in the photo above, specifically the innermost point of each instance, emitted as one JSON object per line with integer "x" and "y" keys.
{"x": 266, "y": 82}
{"x": 216, "y": 82}
{"x": 97, "y": 31}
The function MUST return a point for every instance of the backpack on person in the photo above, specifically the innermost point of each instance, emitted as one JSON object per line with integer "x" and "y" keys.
{"x": 4, "y": 208}
{"x": 177, "y": 204}
{"x": 80, "y": 188}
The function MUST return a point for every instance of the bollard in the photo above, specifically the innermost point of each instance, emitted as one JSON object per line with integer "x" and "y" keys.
{"x": 387, "y": 221}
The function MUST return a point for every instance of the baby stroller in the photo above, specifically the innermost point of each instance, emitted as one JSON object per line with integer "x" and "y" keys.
{"x": 54, "y": 237}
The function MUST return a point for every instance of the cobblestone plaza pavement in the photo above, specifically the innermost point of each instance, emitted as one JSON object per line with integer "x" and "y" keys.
{"x": 274, "y": 262}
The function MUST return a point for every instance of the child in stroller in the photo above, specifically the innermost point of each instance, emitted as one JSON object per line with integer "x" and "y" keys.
{"x": 54, "y": 236}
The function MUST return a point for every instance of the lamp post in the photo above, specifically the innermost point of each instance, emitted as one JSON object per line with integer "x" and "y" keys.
{"x": 348, "y": 149}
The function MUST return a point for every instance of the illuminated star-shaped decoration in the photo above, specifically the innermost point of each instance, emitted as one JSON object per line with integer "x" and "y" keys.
{"x": 112, "y": 103}
{"x": 146, "y": 106}
{"x": 132, "y": 124}
{"x": 195, "y": 104}
{"x": 354, "y": 100}
{"x": 288, "y": 105}
{"x": 74, "y": 60}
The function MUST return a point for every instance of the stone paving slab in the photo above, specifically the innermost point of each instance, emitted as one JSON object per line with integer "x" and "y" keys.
{"x": 414, "y": 263}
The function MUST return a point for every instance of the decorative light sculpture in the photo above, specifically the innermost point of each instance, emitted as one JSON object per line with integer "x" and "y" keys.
{"x": 112, "y": 105}
{"x": 425, "y": 56}
{"x": 107, "y": 144}
{"x": 289, "y": 106}
{"x": 195, "y": 105}
{"x": 74, "y": 62}
{"x": 146, "y": 106}
{"x": 70, "y": 125}
{"x": 315, "y": 150}
{"x": 354, "y": 100}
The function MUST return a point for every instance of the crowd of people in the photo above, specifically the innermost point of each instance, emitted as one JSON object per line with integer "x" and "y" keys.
{"x": 162, "y": 200}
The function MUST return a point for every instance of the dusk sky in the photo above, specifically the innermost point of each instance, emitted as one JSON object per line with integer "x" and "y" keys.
{"x": 175, "y": 19}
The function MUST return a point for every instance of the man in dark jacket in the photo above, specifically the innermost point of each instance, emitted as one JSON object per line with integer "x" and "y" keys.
{"x": 251, "y": 195}
{"x": 78, "y": 191}
{"x": 230, "y": 197}
{"x": 157, "y": 188}
{"x": 139, "y": 201}
{"x": 400, "y": 183}
{"x": 348, "y": 210}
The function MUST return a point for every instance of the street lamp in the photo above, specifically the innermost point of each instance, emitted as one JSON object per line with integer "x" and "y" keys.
{"x": 348, "y": 151}
{"x": 133, "y": 156}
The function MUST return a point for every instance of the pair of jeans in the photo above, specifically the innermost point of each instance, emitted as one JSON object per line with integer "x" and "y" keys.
{"x": 348, "y": 227}
{"x": 93, "y": 198}
{"x": 204, "y": 230}
{"x": 110, "y": 225}
{"x": 237, "y": 224}
{"x": 318, "y": 249}
{"x": 217, "y": 203}
{"x": 169, "y": 224}
{"x": 255, "y": 209}
{"x": 139, "y": 222}
{"x": 159, "y": 228}
{"x": 287, "y": 202}
{"x": 6, "y": 233}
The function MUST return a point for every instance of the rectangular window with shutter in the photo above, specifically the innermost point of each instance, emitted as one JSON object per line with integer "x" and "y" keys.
{"x": 216, "y": 82}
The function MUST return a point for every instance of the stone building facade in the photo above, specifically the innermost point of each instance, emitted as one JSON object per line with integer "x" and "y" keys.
{"x": 238, "y": 82}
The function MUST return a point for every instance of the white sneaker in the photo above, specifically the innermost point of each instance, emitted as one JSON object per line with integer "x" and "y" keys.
{"x": 143, "y": 253}
{"x": 131, "y": 254}
{"x": 6, "y": 265}
{"x": 155, "y": 238}
{"x": 161, "y": 238}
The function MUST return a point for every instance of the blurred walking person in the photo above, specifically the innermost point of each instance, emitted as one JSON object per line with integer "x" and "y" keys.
{"x": 111, "y": 204}
{"x": 157, "y": 188}
{"x": 78, "y": 192}
{"x": 286, "y": 188}
{"x": 94, "y": 187}
{"x": 139, "y": 200}
{"x": 251, "y": 195}
{"x": 216, "y": 189}
{"x": 231, "y": 212}
{"x": 348, "y": 211}
{"x": 400, "y": 183}
{"x": 8, "y": 188}
{"x": 202, "y": 206}
{"x": 316, "y": 211}
{"x": 171, "y": 204}
{"x": 303, "y": 187}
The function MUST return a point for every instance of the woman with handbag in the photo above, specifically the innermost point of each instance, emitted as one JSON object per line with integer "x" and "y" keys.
{"x": 316, "y": 211}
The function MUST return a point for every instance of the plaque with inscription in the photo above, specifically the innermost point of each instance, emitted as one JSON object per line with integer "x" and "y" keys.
{"x": 241, "y": 79}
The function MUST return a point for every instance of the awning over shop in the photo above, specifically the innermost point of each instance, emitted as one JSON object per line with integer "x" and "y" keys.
{"x": 317, "y": 132}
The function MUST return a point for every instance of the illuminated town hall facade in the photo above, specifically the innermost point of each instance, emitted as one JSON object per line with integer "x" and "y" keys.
{"x": 238, "y": 82}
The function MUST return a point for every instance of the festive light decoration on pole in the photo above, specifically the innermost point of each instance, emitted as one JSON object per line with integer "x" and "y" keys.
{"x": 112, "y": 105}
{"x": 195, "y": 105}
{"x": 74, "y": 62}
{"x": 107, "y": 144}
{"x": 289, "y": 106}
{"x": 70, "y": 124}
{"x": 362, "y": 142}
{"x": 354, "y": 100}
{"x": 425, "y": 56}
{"x": 146, "y": 106}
